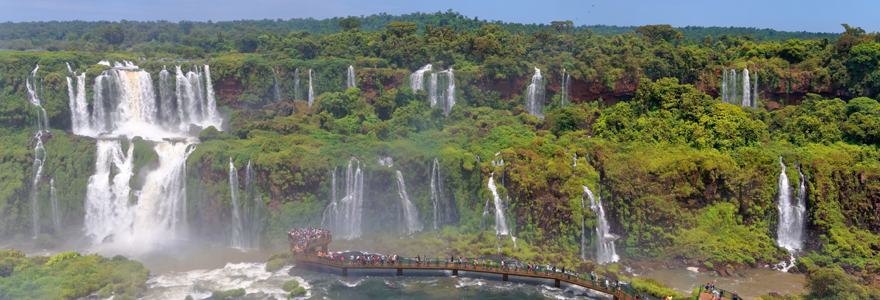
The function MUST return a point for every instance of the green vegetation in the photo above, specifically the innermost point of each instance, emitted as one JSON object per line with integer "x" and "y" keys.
{"x": 298, "y": 291}
{"x": 225, "y": 294}
{"x": 290, "y": 285}
{"x": 682, "y": 175}
{"x": 654, "y": 288}
{"x": 69, "y": 276}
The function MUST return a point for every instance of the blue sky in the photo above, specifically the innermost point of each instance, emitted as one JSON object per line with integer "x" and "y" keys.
{"x": 789, "y": 15}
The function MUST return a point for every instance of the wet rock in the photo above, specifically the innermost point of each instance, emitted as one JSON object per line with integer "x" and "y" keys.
{"x": 775, "y": 294}
{"x": 107, "y": 239}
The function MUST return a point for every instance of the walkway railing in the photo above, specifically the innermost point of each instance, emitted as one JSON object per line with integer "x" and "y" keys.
{"x": 620, "y": 292}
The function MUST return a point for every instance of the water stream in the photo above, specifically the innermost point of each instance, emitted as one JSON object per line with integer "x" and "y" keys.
{"x": 410, "y": 213}
{"x": 605, "y": 250}
{"x": 535, "y": 95}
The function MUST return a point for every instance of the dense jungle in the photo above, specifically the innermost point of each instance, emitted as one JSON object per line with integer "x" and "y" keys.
{"x": 687, "y": 171}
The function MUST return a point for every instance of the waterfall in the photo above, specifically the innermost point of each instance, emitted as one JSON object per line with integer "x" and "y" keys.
{"x": 565, "y": 87}
{"x": 311, "y": 92}
{"x": 791, "y": 216}
{"x": 583, "y": 226}
{"x": 253, "y": 209}
{"x": 724, "y": 97}
{"x": 126, "y": 105}
{"x": 417, "y": 78}
{"x": 275, "y": 86}
{"x": 237, "y": 234}
{"x": 500, "y": 221}
{"x": 297, "y": 90}
{"x": 410, "y": 213}
{"x": 731, "y": 86}
{"x": 79, "y": 111}
{"x": 442, "y": 207}
{"x": 331, "y": 208}
{"x": 34, "y": 99}
{"x": 747, "y": 91}
{"x": 605, "y": 251}
{"x": 345, "y": 214}
{"x": 107, "y": 201}
{"x": 441, "y": 90}
{"x": 755, "y": 92}
{"x": 351, "y": 83}
{"x": 39, "y": 160}
{"x": 53, "y": 203}
{"x": 386, "y": 161}
{"x": 167, "y": 104}
{"x": 535, "y": 95}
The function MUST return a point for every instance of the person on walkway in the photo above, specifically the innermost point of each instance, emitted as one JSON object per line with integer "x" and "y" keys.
{"x": 735, "y": 296}
{"x": 606, "y": 282}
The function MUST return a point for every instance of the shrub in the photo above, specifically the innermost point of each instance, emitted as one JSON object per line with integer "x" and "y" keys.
{"x": 297, "y": 291}
{"x": 12, "y": 253}
{"x": 275, "y": 264}
{"x": 290, "y": 285}
{"x": 229, "y": 293}
{"x": 654, "y": 287}
{"x": 62, "y": 257}
{"x": 283, "y": 254}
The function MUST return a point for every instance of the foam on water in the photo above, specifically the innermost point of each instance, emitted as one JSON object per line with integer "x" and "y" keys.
{"x": 200, "y": 283}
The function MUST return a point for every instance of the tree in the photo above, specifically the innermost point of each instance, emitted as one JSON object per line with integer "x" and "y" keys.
{"x": 349, "y": 23}
{"x": 249, "y": 43}
{"x": 401, "y": 29}
{"x": 563, "y": 26}
{"x": 655, "y": 33}
{"x": 112, "y": 33}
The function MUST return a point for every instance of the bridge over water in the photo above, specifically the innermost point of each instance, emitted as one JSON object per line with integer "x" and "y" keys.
{"x": 309, "y": 256}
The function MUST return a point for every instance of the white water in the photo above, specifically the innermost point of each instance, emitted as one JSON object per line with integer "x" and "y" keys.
{"x": 441, "y": 90}
{"x": 39, "y": 161}
{"x": 417, "y": 78}
{"x": 500, "y": 221}
{"x": 275, "y": 85}
{"x": 350, "y": 78}
{"x": 535, "y": 95}
{"x": 107, "y": 200}
{"x": 386, "y": 161}
{"x": 311, "y": 91}
{"x": 237, "y": 234}
{"x": 79, "y": 110}
{"x": 297, "y": 90}
{"x": 344, "y": 215}
{"x": 747, "y": 91}
{"x": 442, "y": 207}
{"x": 605, "y": 250}
{"x": 792, "y": 217}
{"x": 724, "y": 97}
{"x": 138, "y": 220}
{"x": 731, "y": 87}
{"x": 566, "y": 88}
{"x": 755, "y": 92}
{"x": 53, "y": 203}
{"x": 583, "y": 227}
{"x": 253, "y": 209}
{"x": 200, "y": 283}
{"x": 410, "y": 213}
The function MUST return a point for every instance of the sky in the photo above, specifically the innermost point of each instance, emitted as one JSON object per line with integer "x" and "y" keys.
{"x": 786, "y": 15}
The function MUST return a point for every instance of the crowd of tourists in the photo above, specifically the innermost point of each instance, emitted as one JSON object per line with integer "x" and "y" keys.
{"x": 717, "y": 294}
{"x": 305, "y": 236}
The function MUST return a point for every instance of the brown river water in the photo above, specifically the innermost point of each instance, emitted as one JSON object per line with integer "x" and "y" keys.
{"x": 756, "y": 283}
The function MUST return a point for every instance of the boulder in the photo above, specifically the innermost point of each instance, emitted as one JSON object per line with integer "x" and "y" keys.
{"x": 775, "y": 295}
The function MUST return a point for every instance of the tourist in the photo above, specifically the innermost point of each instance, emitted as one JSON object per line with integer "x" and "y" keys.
{"x": 735, "y": 296}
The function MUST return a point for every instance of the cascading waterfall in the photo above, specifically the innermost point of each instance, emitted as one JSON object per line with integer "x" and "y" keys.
{"x": 605, "y": 250}
{"x": 253, "y": 209}
{"x": 350, "y": 78}
{"x": 168, "y": 110}
{"x": 34, "y": 99}
{"x": 535, "y": 95}
{"x": 126, "y": 105}
{"x": 386, "y": 161}
{"x": 583, "y": 227}
{"x": 500, "y": 220}
{"x": 79, "y": 111}
{"x": 297, "y": 90}
{"x": 344, "y": 215}
{"x": 410, "y": 213}
{"x": 442, "y": 207}
{"x": 566, "y": 88}
{"x": 417, "y": 78}
{"x": 441, "y": 90}
{"x": 724, "y": 97}
{"x": 331, "y": 208}
{"x": 39, "y": 160}
{"x": 747, "y": 91}
{"x": 792, "y": 217}
{"x": 237, "y": 234}
{"x": 275, "y": 86}
{"x": 53, "y": 202}
{"x": 755, "y": 92}
{"x": 311, "y": 91}
{"x": 107, "y": 201}
{"x": 731, "y": 85}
